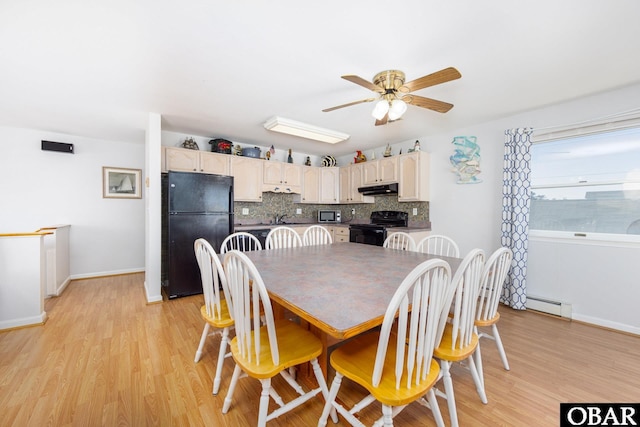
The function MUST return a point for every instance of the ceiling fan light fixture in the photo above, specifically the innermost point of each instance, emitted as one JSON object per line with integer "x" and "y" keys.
{"x": 381, "y": 109}
{"x": 304, "y": 130}
{"x": 397, "y": 109}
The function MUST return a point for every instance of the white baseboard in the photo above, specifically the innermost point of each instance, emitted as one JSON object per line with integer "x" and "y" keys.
{"x": 607, "y": 324}
{"x": 106, "y": 273}
{"x": 24, "y": 321}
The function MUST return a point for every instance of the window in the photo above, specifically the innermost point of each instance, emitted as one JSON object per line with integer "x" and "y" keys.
{"x": 587, "y": 183}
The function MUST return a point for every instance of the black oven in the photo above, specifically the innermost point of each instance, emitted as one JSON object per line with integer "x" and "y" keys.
{"x": 367, "y": 235}
{"x": 375, "y": 232}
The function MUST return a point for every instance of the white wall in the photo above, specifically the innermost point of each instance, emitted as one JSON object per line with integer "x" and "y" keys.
{"x": 42, "y": 188}
{"x": 601, "y": 283}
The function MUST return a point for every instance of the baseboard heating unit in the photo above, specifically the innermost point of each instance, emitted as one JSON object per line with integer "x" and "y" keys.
{"x": 546, "y": 305}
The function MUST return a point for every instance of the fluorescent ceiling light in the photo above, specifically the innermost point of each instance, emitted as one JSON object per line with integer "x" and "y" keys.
{"x": 291, "y": 127}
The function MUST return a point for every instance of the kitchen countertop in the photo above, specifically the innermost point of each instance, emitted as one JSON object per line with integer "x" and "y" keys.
{"x": 255, "y": 226}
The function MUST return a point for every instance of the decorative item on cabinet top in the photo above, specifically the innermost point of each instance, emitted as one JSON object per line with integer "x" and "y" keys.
{"x": 360, "y": 157}
{"x": 190, "y": 144}
{"x": 329, "y": 161}
{"x": 220, "y": 145}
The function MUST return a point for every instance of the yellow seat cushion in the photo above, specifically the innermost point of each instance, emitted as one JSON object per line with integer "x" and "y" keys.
{"x": 295, "y": 346}
{"x": 445, "y": 350}
{"x": 356, "y": 359}
{"x": 488, "y": 322}
{"x": 225, "y": 319}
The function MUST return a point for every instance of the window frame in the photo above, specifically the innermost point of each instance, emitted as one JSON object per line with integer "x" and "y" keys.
{"x": 585, "y": 237}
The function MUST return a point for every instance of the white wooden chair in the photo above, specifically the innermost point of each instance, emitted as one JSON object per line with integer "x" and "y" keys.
{"x": 438, "y": 244}
{"x": 400, "y": 240}
{"x": 217, "y": 304}
{"x": 459, "y": 341}
{"x": 264, "y": 351}
{"x": 492, "y": 283}
{"x": 241, "y": 241}
{"x": 316, "y": 235}
{"x": 396, "y": 364}
{"x": 283, "y": 237}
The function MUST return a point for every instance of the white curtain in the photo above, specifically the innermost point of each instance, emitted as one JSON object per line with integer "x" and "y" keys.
{"x": 516, "y": 199}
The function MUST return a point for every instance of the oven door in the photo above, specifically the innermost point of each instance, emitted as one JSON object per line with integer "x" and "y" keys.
{"x": 368, "y": 236}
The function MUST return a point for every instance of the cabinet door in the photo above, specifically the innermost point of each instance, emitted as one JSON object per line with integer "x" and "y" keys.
{"x": 214, "y": 163}
{"x": 345, "y": 184}
{"x": 329, "y": 181}
{"x": 247, "y": 178}
{"x": 370, "y": 172}
{"x": 310, "y": 185}
{"x": 272, "y": 173}
{"x": 181, "y": 159}
{"x": 387, "y": 170}
{"x": 413, "y": 177}
{"x": 292, "y": 174}
{"x": 357, "y": 181}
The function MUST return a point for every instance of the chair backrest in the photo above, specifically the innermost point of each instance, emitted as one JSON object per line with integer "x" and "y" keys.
{"x": 316, "y": 235}
{"x": 400, "y": 240}
{"x": 438, "y": 244}
{"x": 213, "y": 278}
{"x": 465, "y": 286}
{"x": 492, "y": 282}
{"x": 417, "y": 305}
{"x": 283, "y": 237}
{"x": 250, "y": 303}
{"x": 241, "y": 241}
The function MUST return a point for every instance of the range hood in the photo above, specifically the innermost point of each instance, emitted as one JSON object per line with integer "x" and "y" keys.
{"x": 379, "y": 189}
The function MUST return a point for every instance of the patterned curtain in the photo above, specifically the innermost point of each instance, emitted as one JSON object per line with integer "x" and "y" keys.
{"x": 516, "y": 199}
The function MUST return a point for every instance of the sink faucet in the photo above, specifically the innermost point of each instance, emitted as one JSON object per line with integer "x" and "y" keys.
{"x": 279, "y": 218}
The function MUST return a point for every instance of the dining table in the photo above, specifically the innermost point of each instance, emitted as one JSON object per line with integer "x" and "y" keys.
{"x": 339, "y": 290}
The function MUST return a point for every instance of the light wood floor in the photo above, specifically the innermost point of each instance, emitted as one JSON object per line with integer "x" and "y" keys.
{"x": 107, "y": 358}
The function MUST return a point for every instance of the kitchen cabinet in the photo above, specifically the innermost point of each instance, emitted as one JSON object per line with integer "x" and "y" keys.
{"x": 381, "y": 171}
{"x": 281, "y": 177}
{"x": 329, "y": 185}
{"x": 413, "y": 177}
{"x": 319, "y": 185}
{"x": 350, "y": 180}
{"x": 340, "y": 233}
{"x": 247, "y": 178}
{"x": 185, "y": 160}
{"x": 310, "y": 185}
{"x": 415, "y": 235}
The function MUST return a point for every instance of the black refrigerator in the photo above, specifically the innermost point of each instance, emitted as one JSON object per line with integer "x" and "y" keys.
{"x": 194, "y": 205}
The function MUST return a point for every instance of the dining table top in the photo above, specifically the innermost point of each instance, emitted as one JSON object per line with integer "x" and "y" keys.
{"x": 342, "y": 288}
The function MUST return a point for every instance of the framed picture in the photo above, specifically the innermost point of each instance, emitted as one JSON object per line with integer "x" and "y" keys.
{"x": 120, "y": 183}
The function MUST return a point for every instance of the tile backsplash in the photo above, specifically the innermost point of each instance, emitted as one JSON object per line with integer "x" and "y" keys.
{"x": 280, "y": 203}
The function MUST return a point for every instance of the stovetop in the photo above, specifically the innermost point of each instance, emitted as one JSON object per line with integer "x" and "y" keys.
{"x": 385, "y": 219}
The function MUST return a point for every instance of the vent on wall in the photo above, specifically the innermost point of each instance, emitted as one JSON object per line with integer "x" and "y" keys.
{"x": 545, "y": 305}
{"x": 61, "y": 147}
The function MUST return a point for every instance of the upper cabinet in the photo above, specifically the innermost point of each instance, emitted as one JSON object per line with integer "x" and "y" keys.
{"x": 184, "y": 160}
{"x": 381, "y": 171}
{"x": 281, "y": 177}
{"x": 319, "y": 185}
{"x": 247, "y": 178}
{"x": 329, "y": 185}
{"x": 350, "y": 180}
{"x": 310, "y": 185}
{"x": 413, "y": 177}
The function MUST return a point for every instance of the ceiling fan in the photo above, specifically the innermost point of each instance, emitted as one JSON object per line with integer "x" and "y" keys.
{"x": 395, "y": 94}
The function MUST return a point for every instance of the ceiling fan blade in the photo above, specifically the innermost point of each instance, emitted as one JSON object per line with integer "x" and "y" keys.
{"x": 431, "y": 104}
{"x": 326, "y": 110}
{"x": 383, "y": 121}
{"x": 364, "y": 83}
{"x": 433, "y": 79}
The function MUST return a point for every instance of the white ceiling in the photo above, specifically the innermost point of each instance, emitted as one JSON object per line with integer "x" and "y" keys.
{"x": 220, "y": 69}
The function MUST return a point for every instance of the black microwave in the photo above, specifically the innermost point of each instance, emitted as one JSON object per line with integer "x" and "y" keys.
{"x": 328, "y": 216}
